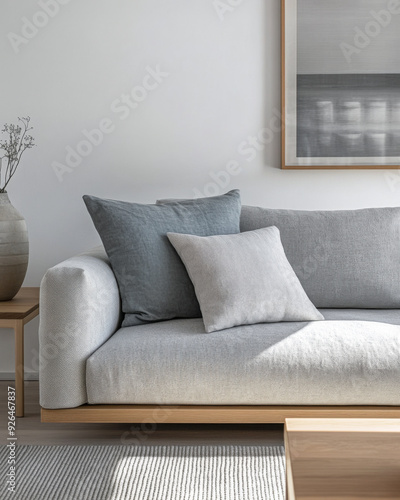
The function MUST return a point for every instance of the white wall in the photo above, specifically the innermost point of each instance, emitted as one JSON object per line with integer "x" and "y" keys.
{"x": 223, "y": 86}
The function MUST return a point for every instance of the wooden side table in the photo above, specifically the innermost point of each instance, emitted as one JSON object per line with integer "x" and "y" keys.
{"x": 16, "y": 313}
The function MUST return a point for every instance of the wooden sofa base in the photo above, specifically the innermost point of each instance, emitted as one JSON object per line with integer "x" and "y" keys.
{"x": 210, "y": 414}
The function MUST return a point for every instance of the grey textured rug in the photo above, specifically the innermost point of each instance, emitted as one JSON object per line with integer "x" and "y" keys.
{"x": 146, "y": 473}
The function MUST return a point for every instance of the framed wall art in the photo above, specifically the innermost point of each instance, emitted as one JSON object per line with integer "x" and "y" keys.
{"x": 341, "y": 84}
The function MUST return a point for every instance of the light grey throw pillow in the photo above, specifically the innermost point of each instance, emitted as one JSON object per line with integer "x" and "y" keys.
{"x": 152, "y": 280}
{"x": 343, "y": 258}
{"x": 243, "y": 279}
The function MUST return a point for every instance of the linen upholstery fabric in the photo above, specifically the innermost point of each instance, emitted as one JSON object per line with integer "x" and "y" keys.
{"x": 153, "y": 282}
{"x": 346, "y": 258}
{"x": 243, "y": 278}
{"x": 351, "y": 358}
{"x": 79, "y": 310}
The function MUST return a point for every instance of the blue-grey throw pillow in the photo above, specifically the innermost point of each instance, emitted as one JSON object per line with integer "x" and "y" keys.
{"x": 153, "y": 282}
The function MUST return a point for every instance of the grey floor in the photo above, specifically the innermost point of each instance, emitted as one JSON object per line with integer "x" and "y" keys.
{"x": 31, "y": 431}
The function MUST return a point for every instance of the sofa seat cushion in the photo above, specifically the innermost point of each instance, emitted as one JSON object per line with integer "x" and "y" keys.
{"x": 352, "y": 358}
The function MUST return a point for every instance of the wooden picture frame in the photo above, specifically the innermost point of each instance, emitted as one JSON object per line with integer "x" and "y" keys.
{"x": 340, "y": 84}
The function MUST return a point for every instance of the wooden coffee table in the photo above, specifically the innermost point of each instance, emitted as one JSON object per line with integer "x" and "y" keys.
{"x": 334, "y": 459}
{"x": 15, "y": 314}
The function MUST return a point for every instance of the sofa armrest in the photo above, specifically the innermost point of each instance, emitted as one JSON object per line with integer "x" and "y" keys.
{"x": 80, "y": 309}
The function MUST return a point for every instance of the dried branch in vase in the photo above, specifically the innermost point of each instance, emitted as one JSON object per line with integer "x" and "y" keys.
{"x": 13, "y": 146}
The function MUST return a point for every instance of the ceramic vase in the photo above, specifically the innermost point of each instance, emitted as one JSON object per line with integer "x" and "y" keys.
{"x": 14, "y": 249}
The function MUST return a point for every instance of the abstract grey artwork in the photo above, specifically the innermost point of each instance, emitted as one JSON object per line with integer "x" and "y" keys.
{"x": 341, "y": 83}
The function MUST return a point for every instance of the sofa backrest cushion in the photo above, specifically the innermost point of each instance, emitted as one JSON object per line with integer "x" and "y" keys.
{"x": 346, "y": 259}
{"x": 152, "y": 279}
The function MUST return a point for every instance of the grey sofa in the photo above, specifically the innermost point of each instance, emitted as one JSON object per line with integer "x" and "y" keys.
{"x": 171, "y": 371}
